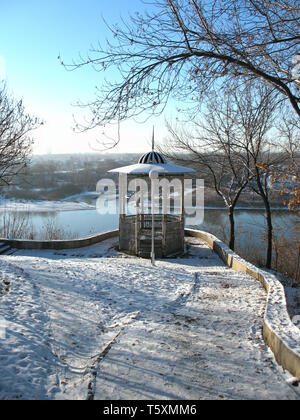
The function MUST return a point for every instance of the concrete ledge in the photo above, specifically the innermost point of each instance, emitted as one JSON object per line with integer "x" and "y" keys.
{"x": 279, "y": 333}
{"x": 60, "y": 244}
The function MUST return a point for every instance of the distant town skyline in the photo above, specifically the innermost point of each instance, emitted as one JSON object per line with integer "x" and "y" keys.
{"x": 33, "y": 35}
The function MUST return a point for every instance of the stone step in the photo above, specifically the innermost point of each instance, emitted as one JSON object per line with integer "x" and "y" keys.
{"x": 149, "y": 243}
{"x": 147, "y": 254}
{"x": 148, "y": 232}
{"x": 149, "y": 237}
{"x": 148, "y": 249}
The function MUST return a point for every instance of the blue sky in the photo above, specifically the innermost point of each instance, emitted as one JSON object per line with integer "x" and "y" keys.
{"x": 32, "y": 35}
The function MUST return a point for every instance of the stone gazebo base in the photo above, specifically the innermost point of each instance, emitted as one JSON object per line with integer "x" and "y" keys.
{"x": 136, "y": 235}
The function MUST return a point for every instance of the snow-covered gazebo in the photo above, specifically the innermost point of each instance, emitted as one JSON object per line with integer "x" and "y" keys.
{"x": 154, "y": 220}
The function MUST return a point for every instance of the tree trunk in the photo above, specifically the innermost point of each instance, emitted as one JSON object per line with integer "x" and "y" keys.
{"x": 265, "y": 198}
{"x": 231, "y": 228}
{"x": 270, "y": 234}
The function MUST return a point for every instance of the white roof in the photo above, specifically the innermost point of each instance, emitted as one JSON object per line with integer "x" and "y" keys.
{"x": 146, "y": 168}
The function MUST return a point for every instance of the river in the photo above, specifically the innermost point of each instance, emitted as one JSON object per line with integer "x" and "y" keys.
{"x": 250, "y": 223}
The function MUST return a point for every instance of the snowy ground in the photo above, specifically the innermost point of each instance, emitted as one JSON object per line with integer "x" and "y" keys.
{"x": 43, "y": 206}
{"x": 93, "y": 324}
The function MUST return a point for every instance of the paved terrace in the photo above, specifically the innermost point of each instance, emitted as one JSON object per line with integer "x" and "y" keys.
{"x": 117, "y": 328}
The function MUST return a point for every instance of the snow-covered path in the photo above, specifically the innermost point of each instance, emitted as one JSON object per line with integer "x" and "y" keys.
{"x": 84, "y": 327}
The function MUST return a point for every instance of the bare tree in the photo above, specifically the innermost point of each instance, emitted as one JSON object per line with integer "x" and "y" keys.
{"x": 15, "y": 143}
{"x": 212, "y": 147}
{"x": 257, "y": 110}
{"x": 289, "y": 141}
{"x": 182, "y": 48}
{"x": 232, "y": 144}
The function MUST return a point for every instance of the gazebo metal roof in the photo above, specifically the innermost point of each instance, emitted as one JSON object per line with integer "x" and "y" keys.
{"x": 152, "y": 161}
{"x": 152, "y": 157}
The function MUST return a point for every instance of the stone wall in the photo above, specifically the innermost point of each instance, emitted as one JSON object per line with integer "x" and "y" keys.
{"x": 60, "y": 244}
{"x": 279, "y": 333}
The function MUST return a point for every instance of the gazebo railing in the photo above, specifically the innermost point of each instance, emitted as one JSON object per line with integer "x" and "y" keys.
{"x": 145, "y": 220}
{"x": 136, "y": 230}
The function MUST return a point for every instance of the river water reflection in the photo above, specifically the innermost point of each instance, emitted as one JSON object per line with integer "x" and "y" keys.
{"x": 250, "y": 223}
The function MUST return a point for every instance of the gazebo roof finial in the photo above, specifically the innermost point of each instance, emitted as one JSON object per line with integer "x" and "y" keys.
{"x": 152, "y": 160}
{"x": 153, "y": 139}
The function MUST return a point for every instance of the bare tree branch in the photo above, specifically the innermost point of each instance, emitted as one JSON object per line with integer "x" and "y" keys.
{"x": 15, "y": 143}
{"x": 183, "y": 48}
{"x": 230, "y": 147}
